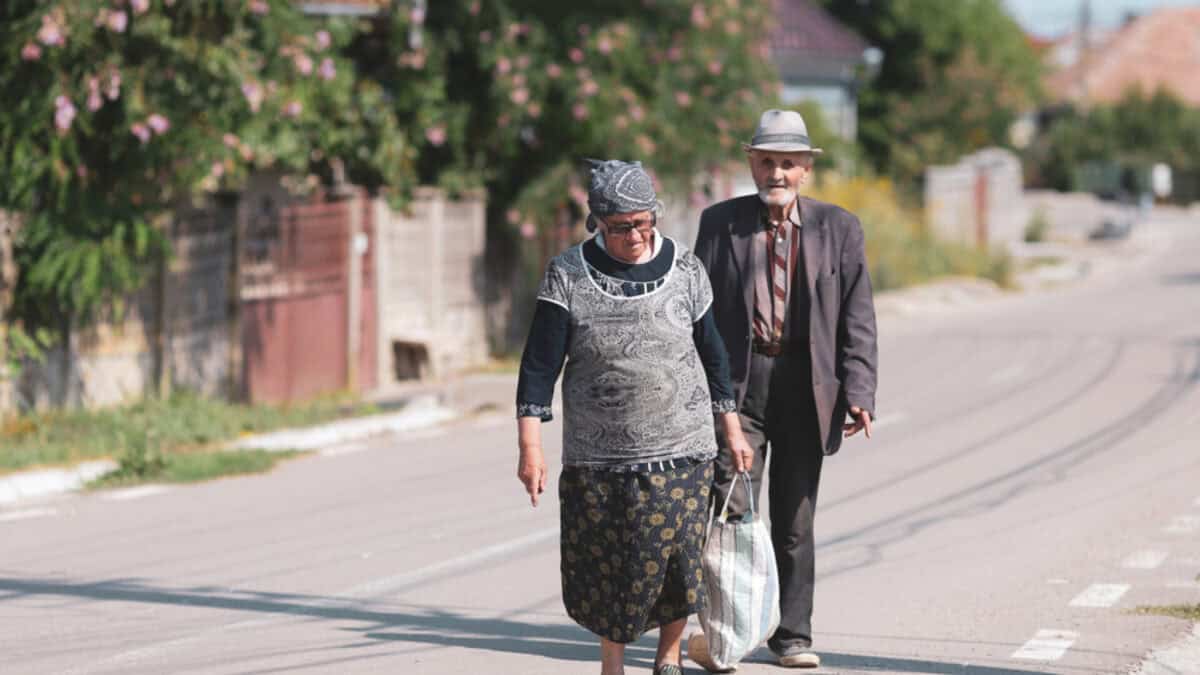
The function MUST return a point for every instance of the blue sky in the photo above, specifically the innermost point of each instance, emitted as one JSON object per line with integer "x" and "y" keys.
{"x": 1050, "y": 18}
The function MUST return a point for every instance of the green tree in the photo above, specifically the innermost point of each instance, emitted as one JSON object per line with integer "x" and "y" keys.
{"x": 117, "y": 111}
{"x": 954, "y": 77}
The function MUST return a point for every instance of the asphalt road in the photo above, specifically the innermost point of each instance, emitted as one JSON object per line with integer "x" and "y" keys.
{"x": 1034, "y": 477}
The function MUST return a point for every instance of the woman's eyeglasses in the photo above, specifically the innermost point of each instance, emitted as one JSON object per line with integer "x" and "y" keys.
{"x": 644, "y": 227}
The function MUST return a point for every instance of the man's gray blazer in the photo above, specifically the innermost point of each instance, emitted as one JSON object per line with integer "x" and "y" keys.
{"x": 842, "y": 342}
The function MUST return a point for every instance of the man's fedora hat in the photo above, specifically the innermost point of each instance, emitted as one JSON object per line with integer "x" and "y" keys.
{"x": 781, "y": 131}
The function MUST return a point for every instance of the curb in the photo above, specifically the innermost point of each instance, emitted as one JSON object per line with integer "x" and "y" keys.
{"x": 1182, "y": 656}
{"x": 420, "y": 412}
{"x": 25, "y": 485}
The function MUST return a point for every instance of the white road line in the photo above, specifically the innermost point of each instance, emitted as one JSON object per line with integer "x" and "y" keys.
{"x": 349, "y": 597}
{"x": 1047, "y": 645}
{"x": 134, "y": 493}
{"x": 1100, "y": 595}
{"x": 1144, "y": 560}
{"x": 399, "y": 581}
{"x": 1183, "y": 525}
{"x": 889, "y": 419}
{"x": 25, "y": 514}
{"x": 1010, "y": 373}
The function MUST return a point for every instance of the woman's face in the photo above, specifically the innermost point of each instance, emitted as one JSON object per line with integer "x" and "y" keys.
{"x": 628, "y": 235}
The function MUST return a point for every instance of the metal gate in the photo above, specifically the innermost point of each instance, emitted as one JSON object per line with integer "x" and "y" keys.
{"x": 308, "y": 298}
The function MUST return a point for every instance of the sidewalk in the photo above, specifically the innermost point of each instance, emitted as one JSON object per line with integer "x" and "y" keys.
{"x": 412, "y": 407}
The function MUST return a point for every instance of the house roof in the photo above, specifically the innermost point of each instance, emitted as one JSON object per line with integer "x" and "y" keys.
{"x": 1159, "y": 49}
{"x": 809, "y": 43}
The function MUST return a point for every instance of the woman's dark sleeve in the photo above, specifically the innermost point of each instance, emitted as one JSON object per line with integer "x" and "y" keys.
{"x": 542, "y": 361}
{"x": 716, "y": 363}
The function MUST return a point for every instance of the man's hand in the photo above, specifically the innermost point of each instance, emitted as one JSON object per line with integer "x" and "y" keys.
{"x": 862, "y": 421}
{"x": 531, "y": 470}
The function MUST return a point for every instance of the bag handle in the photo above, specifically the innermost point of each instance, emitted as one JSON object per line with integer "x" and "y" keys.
{"x": 745, "y": 476}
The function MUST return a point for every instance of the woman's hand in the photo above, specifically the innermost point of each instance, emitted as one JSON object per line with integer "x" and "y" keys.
{"x": 735, "y": 440}
{"x": 531, "y": 466}
{"x": 531, "y": 469}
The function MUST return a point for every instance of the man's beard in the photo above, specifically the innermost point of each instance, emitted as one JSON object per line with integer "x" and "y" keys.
{"x": 770, "y": 198}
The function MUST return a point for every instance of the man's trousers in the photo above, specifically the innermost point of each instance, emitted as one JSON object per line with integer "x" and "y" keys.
{"x": 778, "y": 413}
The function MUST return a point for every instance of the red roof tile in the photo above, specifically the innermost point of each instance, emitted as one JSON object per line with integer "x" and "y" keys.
{"x": 803, "y": 26}
{"x": 1160, "y": 49}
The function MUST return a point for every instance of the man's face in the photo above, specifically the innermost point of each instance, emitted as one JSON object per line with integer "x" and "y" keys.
{"x": 779, "y": 175}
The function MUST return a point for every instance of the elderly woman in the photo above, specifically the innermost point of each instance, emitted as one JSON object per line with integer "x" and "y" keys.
{"x": 646, "y": 372}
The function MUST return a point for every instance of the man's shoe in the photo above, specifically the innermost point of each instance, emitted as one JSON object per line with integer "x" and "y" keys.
{"x": 797, "y": 657}
{"x": 668, "y": 669}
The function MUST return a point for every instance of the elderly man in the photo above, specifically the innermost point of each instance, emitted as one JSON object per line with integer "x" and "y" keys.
{"x": 793, "y": 306}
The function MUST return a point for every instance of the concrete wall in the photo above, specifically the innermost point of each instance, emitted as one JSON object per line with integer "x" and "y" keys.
{"x": 1072, "y": 216}
{"x": 979, "y": 200}
{"x": 430, "y": 262}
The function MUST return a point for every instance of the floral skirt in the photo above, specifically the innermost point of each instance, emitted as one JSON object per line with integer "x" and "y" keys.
{"x": 631, "y": 545}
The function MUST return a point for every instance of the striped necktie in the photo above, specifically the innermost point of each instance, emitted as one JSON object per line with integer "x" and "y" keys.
{"x": 770, "y": 302}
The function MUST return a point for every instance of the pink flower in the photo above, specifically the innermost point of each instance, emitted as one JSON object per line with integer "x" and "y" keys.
{"x": 436, "y": 135}
{"x": 528, "y": 230}
{"x": 64, "y": 114}
{"x": 327, "y": 70}
{"x": 732, "y": 27}
{"x": 683, "y": 98}
{"x": 699, "y": 16}
{"x": 590, "y": 88}
{"x": 503, "y": 65}
{"x": 674, "y": 53}
{"x": 323, "y": 39}
{"x": 51, "y": 33}
{"x": 158, "y": 123}
{"x": 254, "y": 95}
{"x": 646, "y": 145}
{"x": 293, "y": 108}
{"x": 584, "y": 30}
{"x": 81, "y": 171}
{"x": 114, "y": 85}
{"x": 141, "y": 131}
{"x": 576, "y": 54}
{"x": 485, "y": 36}
{"x": 715, "y": 67}
{"x": 139, "y": 6}
{"x": 246, "y": 152}
{"x": 520, "y": 96}
{"x": 117, "y": 21}
{"x": 230, "y": 141}
{"x": 474, "y": 9}
{"x": 580, "y": 111}
{"x": 94, "y": 101}
{"x": 417, "y": 15}
{"x": 218, "y": 170}
{"x": 31, "y": 52}
{"x": 604, "y": 45}
{"x": 303, "y": 63}
{"x": 553, "y": 70}
{"x": 513, "y": 216}
{"x": 518, "y": 80}
{"x": 637, "y": 113}
{"x": 259, "y": 7}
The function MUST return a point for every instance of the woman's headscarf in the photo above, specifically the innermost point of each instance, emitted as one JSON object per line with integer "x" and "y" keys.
{"x": 619, "y": 187}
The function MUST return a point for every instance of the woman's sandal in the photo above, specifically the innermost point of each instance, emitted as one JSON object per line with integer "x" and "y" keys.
{"x": 668, "y": 669}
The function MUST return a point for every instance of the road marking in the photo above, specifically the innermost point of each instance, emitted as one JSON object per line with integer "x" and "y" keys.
{"x": 420, "y": 575}
{"x": 1144, "y": 560}
{"x": 343, "y": 449}
{"x": 1047, "y": 645}
{"x": 1009, "y": 373}
{"x": 1100, "y": 595}
{"x": 26, "y": 514}
{"x": 893, "y": 418}
{"x": 134, "y": 493}
{"x": 1183, "y": 525}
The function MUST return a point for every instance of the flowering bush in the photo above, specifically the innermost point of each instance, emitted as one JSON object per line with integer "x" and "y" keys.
{"x": 118, "y": 109}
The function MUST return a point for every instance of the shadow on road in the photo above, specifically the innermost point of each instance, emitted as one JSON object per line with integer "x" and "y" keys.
{"x": 431, "y": 627}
